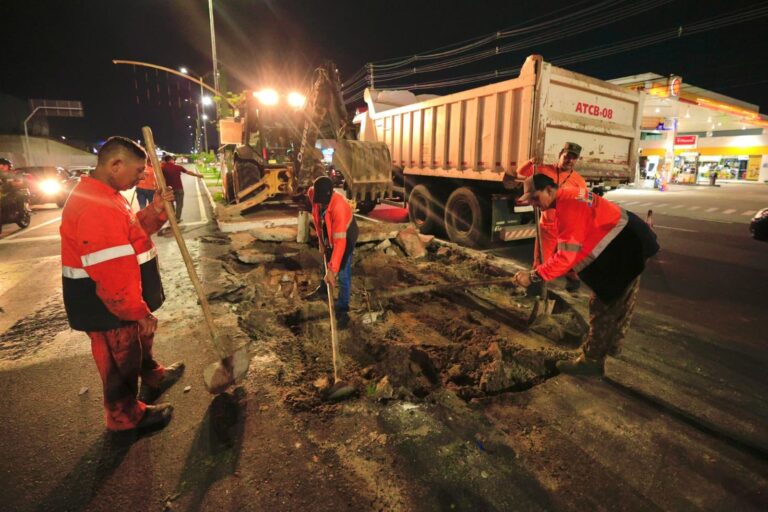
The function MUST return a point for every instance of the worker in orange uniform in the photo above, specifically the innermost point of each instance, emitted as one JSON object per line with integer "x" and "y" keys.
{"x": 145, "y": 190}
{"x": 564, "y": 175}
{"x": 337, "y": 234}
{"x": 608, "y": 247}
{"x": 111, "y": 284}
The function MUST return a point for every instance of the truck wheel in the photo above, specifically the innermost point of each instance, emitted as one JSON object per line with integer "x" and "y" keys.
{"x": 466, "y": 217}
{"x": 423, "y": 210}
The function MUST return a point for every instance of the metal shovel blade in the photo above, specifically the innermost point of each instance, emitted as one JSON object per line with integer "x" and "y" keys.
{"x": 228, "y": 371}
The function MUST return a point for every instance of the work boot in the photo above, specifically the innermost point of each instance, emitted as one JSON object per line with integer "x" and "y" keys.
{"x": 572, "y": 285}
{"x": 342, "y": 319}
{"x": 582, "y": 365}
{"x": 320, "y": 293}
{"x": 156, "y": 417}
{"x": 171, "y": 376}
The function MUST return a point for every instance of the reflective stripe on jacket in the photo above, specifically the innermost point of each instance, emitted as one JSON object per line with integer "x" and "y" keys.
{"x": 110, "y": 273}
{"x": 338, "y": 219}
{"x": 586, "y": 224}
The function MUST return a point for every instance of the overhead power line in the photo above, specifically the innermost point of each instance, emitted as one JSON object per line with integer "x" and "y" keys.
{"x": 699, "y": 27}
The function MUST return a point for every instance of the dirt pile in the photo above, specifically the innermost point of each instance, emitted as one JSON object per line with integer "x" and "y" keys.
{"x": 413, "y": 330}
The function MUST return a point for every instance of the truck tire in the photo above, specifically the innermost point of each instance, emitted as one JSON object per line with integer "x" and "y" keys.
{"x": 423, "y": 210}
{"x": 466, "y": 218}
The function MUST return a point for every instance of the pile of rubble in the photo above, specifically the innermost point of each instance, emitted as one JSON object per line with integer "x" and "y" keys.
{"x": 426, "y": 315}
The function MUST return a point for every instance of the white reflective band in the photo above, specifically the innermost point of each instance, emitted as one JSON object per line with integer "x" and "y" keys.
{"x": 74, "y": 273}
{"x": 146, "y": 256}
{"x": 340, "y": 235}
{"x": 107, "y": 254}
{"x": 569, "y": 247}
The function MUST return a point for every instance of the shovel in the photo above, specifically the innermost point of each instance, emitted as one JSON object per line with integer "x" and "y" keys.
{"x": 543, "y": 306}
{"x": 340, "y": 389}
{"x": 234, "y": 362}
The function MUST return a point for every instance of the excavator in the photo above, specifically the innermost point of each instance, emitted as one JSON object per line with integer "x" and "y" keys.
{"x": 270, "y": 148}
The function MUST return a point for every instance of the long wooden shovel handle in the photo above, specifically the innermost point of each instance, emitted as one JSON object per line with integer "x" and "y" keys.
{"x": 149, "y": 142}
{"x": 334, "y": 335}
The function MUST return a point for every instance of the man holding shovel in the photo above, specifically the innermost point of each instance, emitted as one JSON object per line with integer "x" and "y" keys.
{"x": 607, "y": 246}
{"x": 564, "y": 175}
{"x": 337, "y": 233}
{"x": 111, "y": 284}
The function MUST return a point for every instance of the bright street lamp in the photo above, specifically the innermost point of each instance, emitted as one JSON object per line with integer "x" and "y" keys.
{"x": 205, "y": 117}
{"x": 207, "y": 100}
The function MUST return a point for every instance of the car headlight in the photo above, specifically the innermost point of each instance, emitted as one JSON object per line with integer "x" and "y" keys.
{"x": 50, "y": 186}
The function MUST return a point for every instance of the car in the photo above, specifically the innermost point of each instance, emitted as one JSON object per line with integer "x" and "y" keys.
{"x": 47, "y": 184}
{"x": 77, "y": 171}
{"x": 759, "y": 225}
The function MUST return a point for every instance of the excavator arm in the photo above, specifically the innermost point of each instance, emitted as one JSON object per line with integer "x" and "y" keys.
{"x": 366, "y": 166}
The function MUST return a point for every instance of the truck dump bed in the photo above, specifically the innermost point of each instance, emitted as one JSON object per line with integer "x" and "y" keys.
{"x": 479, "y": 133}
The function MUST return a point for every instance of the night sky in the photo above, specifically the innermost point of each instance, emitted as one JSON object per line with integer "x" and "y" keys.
{"x": 64, "y": 49}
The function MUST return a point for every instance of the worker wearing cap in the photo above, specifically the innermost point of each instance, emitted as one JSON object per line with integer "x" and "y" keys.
{"x": 564, "y": 175}
{"x": 607, "y": 246}
{"x": 111, "y": 284}
{"x": 336, "y": 233}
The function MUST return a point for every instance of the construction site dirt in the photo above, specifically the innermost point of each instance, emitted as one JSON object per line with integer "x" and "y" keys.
{"x": 445, "y": 364}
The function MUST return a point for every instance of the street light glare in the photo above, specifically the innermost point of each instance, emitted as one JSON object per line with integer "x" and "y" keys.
{"x": 296, "y": 100}
{"x": 205, "y": 117}
{"x": 184, "y": 70}
{"x": 207, "y": 100}
{"x": 267, "y": 96}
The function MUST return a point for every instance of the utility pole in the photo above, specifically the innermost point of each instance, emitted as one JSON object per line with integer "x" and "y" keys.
{"x": 370, "y": 72}
{"x": 213, "y": 47}
{"x": 197, "y": 130}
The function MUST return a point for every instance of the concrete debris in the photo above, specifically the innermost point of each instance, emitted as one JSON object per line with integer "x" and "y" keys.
{"x": 426, "y": 239}
{"x": 385, "y": 244}
{"x": 83, "y": 390}
{"x": 254, "y": 256}
{"x": 411, "y": 243}
{"x": 241, "y": 240}
{"x": 384, "y": 390}
{"x": 187, "y": 389}
{"x": 371, "y": 317}
{"x": 443, "y": 251}
{"x": 322, "y": 383}
{"x": 275, "y": 234}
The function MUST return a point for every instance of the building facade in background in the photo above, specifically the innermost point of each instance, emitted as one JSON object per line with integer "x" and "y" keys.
{"x": 689, "y": 133}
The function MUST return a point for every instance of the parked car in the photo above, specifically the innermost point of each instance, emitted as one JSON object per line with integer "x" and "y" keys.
{"x": 76, "y": 172}
{"x": 48, "y": 184}
{"x": 759, "y": 225}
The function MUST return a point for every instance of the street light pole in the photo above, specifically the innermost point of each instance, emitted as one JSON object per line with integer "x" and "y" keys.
{"x": 197, "y": 130}
{"x": 213, "y": 47}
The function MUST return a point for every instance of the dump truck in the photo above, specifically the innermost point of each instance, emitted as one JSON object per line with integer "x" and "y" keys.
{"x": 450, "y": 153}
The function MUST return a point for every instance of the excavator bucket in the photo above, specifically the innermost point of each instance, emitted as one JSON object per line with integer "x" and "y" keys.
{"x": 366, "y": 167}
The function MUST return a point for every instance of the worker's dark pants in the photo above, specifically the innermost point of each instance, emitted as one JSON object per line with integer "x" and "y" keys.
{"x": 609, "y": 322}
{"x": 122, "y": 356}
{"x": 344, "y": 282}
{"x": 178, "y": 199}
{"x": 144, "y": 196}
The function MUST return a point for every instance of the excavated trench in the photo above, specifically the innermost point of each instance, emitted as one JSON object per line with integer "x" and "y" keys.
{"x": 403, "y": 343}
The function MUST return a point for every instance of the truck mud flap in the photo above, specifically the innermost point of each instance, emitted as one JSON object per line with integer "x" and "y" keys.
{"x": 366, "y": 167}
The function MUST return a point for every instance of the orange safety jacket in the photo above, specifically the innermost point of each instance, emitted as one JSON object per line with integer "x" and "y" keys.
{"x": 110, "y": 273}
{"x": 586, "y": 224}
{"x": 338, "y": 219}
{"x": 549, "y": 217}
